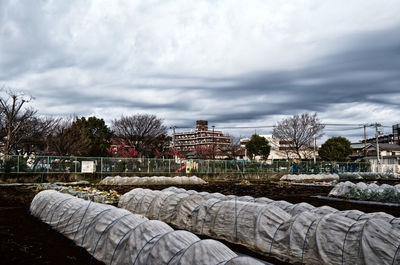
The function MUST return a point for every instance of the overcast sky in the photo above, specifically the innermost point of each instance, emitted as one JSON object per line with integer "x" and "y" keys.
{"x": 234, "y": 63}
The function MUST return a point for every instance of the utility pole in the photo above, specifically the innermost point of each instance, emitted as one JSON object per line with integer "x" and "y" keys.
{"x": 377, "y": 132}
{"x": 173, "y": 136}
{"x": 365, "y": 133}
{"x": 213, "y": 127}
{"x": 365, "y": 139}
{"x": 173, "y": 139}
{"x": 315, "y": 148}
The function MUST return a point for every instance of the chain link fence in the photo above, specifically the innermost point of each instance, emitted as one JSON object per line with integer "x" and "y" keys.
{"x": 113, "y": 165}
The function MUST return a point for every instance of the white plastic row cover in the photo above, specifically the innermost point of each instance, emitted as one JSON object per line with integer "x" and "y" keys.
{"x": 363, "y": 191}
{"x": 297, "y": 233}
{"x": 311, "y": 177}
{"x": 116, "y": 236}
{"x": 155, "y": 180}
{"x": 368, "y": 175}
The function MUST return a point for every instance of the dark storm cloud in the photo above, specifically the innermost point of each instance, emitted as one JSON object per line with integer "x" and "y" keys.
{"x": 25, "y": 44}
{"x": 367, "y": 71}
{"x": 115, "y": 58}
{"x": 87, "y": 101}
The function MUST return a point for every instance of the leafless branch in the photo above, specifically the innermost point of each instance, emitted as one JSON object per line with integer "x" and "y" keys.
{"x": 145, "y": 131}
{"x": 298, "y": 131}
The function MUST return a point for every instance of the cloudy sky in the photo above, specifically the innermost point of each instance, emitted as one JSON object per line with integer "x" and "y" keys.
{"x": 232, "y": 62}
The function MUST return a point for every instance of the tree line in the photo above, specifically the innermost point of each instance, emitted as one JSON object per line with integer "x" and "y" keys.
{"x": 24, "y": 131}
{"x": 297, "y": 136}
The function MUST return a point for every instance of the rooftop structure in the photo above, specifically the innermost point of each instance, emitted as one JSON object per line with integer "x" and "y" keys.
{"x": 389, "y": 156}
{"x": 364, "y": 151}
{"x": 187, "y": 141}
{"x": 393, "y": 138}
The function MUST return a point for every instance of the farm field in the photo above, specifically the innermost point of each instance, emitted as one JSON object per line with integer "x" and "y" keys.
{"x": 293, "y": 193}
{"x": 27, "y": 240}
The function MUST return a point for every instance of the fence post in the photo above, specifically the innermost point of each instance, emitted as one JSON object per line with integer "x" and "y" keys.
{"x": 48, "y": 164}
{"x": 101, "y": 166}
{"x": 225, "y": 166}
{"x": 307, "y": 167}
{"x": 76, "y": 164}
{"x": 18, "y": 164}
{"x": 213, "y": 166}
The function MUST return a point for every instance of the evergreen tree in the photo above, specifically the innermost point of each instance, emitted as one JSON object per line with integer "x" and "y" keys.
{"x": 258, "y": 146}
{"x": 98, "y": 133}
{"x": 335, "y": 149}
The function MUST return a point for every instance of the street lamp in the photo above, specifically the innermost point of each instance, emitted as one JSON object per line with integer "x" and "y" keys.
{"x": 173, "y": 136}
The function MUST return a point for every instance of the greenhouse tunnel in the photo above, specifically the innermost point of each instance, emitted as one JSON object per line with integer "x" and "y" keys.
{"x": 154, "y": 180}
{"x": 369, "y": 192}
{"x": 117, "y": 236}
{"x": 295, "y": 233}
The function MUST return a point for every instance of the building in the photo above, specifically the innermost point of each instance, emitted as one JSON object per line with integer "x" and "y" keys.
{"x": 363, "y": 151}
{"x": 280, "y": 149}
{"x": 389, "y": 151}
{"x": 389, "y": 155}
{"x": 393, "y": 138}
{"x": 277, "y": 148}
{"x": 186, "y": 142}
{"x": 396, "y": 133}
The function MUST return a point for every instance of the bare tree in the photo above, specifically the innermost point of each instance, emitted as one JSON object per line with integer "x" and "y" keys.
{"x": 34, "y": 133}
{"x": 298, "y": 133}
{"x": 13, "y": 116}
{"x": 68, "y": 139}
{"x": 145, "y": 131}
{"x": 232, "y": 150}
{"x": 204, "y": 152}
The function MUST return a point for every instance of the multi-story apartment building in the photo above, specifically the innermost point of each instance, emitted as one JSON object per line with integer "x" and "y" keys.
{"x": 396, "y": 133}
{"x": 202, "y": 136}
{"x": 393, "y": 138}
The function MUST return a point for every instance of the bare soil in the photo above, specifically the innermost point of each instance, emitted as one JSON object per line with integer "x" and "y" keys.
{"x": 26, "y": 240}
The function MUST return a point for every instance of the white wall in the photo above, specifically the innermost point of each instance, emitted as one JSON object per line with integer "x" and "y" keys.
{"x": 388, "y": 165}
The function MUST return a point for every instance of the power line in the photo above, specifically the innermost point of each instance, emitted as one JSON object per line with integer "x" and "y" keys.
{"x": 355, "y": 125}
{"x": 247, "y": 127}
{"x": 343, "y": 129}
{"x": 233, "y": 127}
{"x": 343, "y": 124}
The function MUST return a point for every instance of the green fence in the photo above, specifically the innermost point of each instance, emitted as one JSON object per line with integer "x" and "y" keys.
{"x": 111, "y": 165}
